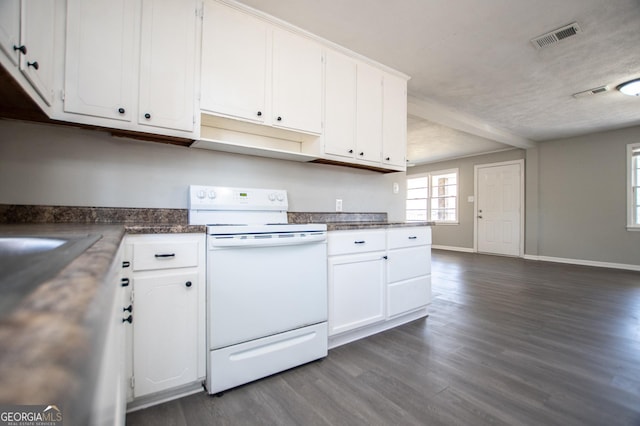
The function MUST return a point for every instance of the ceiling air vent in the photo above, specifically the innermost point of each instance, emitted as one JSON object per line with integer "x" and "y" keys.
{"x": 594, "y": 91}
{"x": 555, "y": 36}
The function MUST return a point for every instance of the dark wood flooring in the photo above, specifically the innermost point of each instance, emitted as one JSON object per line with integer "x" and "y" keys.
{"x": 507, "y": 342}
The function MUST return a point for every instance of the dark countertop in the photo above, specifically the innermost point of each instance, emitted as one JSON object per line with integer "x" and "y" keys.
{"x": 53, "y": 338}
{"x": 342, "y": 226}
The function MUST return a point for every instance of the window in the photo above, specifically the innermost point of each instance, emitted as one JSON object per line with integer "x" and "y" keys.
{"x": 633, "y": 199}
{"x": 433, "y": 197}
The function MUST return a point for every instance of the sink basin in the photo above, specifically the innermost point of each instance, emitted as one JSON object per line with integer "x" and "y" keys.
{"x": 27, "y": 261}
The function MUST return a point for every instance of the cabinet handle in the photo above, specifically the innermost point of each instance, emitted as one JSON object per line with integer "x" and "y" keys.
{"x": 413, "y": 237}
{"x": 22, "y": 49}
{"x": 350, "y": 151}
{"x": 259, "y": 113}
{"x": 128, "y": 309}
{"x": 124, "y": 282}
{"x": 362, "y": 153}
{"x": 121, "y": 110}
{"x": 126, "y": 264}
{"x": 165, "y": 255}
{"x": 388, "y": 158}
{"x": 128, "y": 319}
{"x": 279, "y": 118}
{"x": 359, "y": 242}
{"x": 385, "y": 257}
{"x": 147, "y": 116}
{"x": 188, "y": 283}
{"x": 33, "y": 64}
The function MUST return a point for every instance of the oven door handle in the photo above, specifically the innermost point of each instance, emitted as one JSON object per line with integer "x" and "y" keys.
{"x": 238, "y": 242}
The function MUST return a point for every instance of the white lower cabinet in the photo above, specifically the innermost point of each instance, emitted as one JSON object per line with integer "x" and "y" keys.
{"x": 356, "y": 291}
{"x": 168, "y": 327}
{"x": 378, "y": 279}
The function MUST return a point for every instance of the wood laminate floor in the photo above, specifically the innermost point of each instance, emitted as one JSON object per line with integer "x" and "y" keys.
{"x": 507, "y": 342}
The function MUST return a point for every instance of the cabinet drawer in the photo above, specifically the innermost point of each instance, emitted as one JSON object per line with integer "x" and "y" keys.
{"x": 408, "y": 295}
{"x": 355, "y": 242}
{"x": 409, "y": 237}
{"x": 164, "y": 255}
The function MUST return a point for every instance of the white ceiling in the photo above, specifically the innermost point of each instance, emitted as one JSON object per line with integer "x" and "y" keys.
{"x": 472, "y": 63}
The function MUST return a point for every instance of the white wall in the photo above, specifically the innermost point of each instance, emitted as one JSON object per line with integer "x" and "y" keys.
{"x": 59, "y": 165}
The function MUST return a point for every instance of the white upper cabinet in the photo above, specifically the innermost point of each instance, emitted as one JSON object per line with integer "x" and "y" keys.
{"x": 297, "y": 83}
{"x": 167, "y": 58}
{"x": 394, "y": 121}
{"x": 340, "y": 105}
{"x": 101, "y": 59}
{"x": 369, "y": 114}
{"x": 37, "y": 34}
{"x": 254, "y": 71}
{"x": 27, "y": 38}
{"x": 10, "y": 29}
{"x": 130, "y": 64}
{"x": 234, "y": 63}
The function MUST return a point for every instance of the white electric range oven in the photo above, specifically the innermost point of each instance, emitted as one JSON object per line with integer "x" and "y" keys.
{"x": 266, "y": 284}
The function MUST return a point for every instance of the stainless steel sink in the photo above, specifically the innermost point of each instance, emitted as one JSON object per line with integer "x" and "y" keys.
{"x": 28, "y": 260}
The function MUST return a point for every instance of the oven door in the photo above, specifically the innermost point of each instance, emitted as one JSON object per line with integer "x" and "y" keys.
{"x": 259, "y": 287}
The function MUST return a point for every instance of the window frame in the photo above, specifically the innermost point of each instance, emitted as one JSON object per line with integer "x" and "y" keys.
{"x": 429, "y": 176}
{"x": 632, "y": 225}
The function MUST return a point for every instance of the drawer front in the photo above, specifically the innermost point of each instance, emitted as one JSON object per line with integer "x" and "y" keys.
{"x": 406, "y": 263}
{"x": 351, "y": 242}
{"x": 409, "y": 237}
{"x": 164, "y": 255}
{"x": 408, "y": 295}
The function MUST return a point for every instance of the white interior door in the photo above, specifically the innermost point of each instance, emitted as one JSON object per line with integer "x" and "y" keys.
{"x": 498, "y": 214}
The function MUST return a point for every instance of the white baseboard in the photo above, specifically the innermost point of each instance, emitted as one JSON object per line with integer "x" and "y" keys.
{"x": 584, "y": 262}
{"x": 452, "y": 248}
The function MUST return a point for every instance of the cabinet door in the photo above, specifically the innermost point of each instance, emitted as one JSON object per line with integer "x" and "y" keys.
{"x": 234, "y": 63}
{"x": 340, "y": 105}
{"x": 409, "y": 295}
{"x": 297, "y": 83}
{"x": 10, "y": 28}
{"x": 394, "y": 121}
{"x": 165, "y": 331}
{"x": 37, "y": 35}
{"x": 356, "y": 291}
{"x": 408, "y": 263}
{"x": 369, "y": 115}
{"x": 100, "y": 58}
{"x": 167, "y": 64}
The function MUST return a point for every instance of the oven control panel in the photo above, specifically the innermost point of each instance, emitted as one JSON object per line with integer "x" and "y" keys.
{"x": 227, "y": 198}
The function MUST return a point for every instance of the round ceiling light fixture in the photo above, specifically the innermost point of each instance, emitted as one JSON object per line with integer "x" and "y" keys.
{"x": 631, "y": 88}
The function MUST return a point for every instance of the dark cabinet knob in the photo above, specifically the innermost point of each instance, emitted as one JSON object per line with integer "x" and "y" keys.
{"x": 121, "y": 110}
{"x": 124, "y": 282}
{"x": 279, "y": 119}
{"x": 128, "y": 319}
{"x": 126, "y": 264}
{"x": 22, "y": 49}
{"x": 385, "y": 257}
{"x": 259, "y": 113}
{"x": 350, "y": 151}
{"x": 361, "y": 154}
{"x": 33, "y": 64}
{"x": 147, "y": 115}
{"x": 128, "y": 309}
{"x": 388, "y": 158}
{"x": 188, "y": 283}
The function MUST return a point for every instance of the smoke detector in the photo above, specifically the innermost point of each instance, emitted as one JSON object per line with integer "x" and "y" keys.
{"x": 550, "y": 38}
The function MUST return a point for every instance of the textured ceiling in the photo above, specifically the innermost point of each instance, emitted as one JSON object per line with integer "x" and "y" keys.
{"x": 475, "y": 56}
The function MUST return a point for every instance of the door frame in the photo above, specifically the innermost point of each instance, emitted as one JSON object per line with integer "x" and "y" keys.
{"x": 476, "y": 170}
